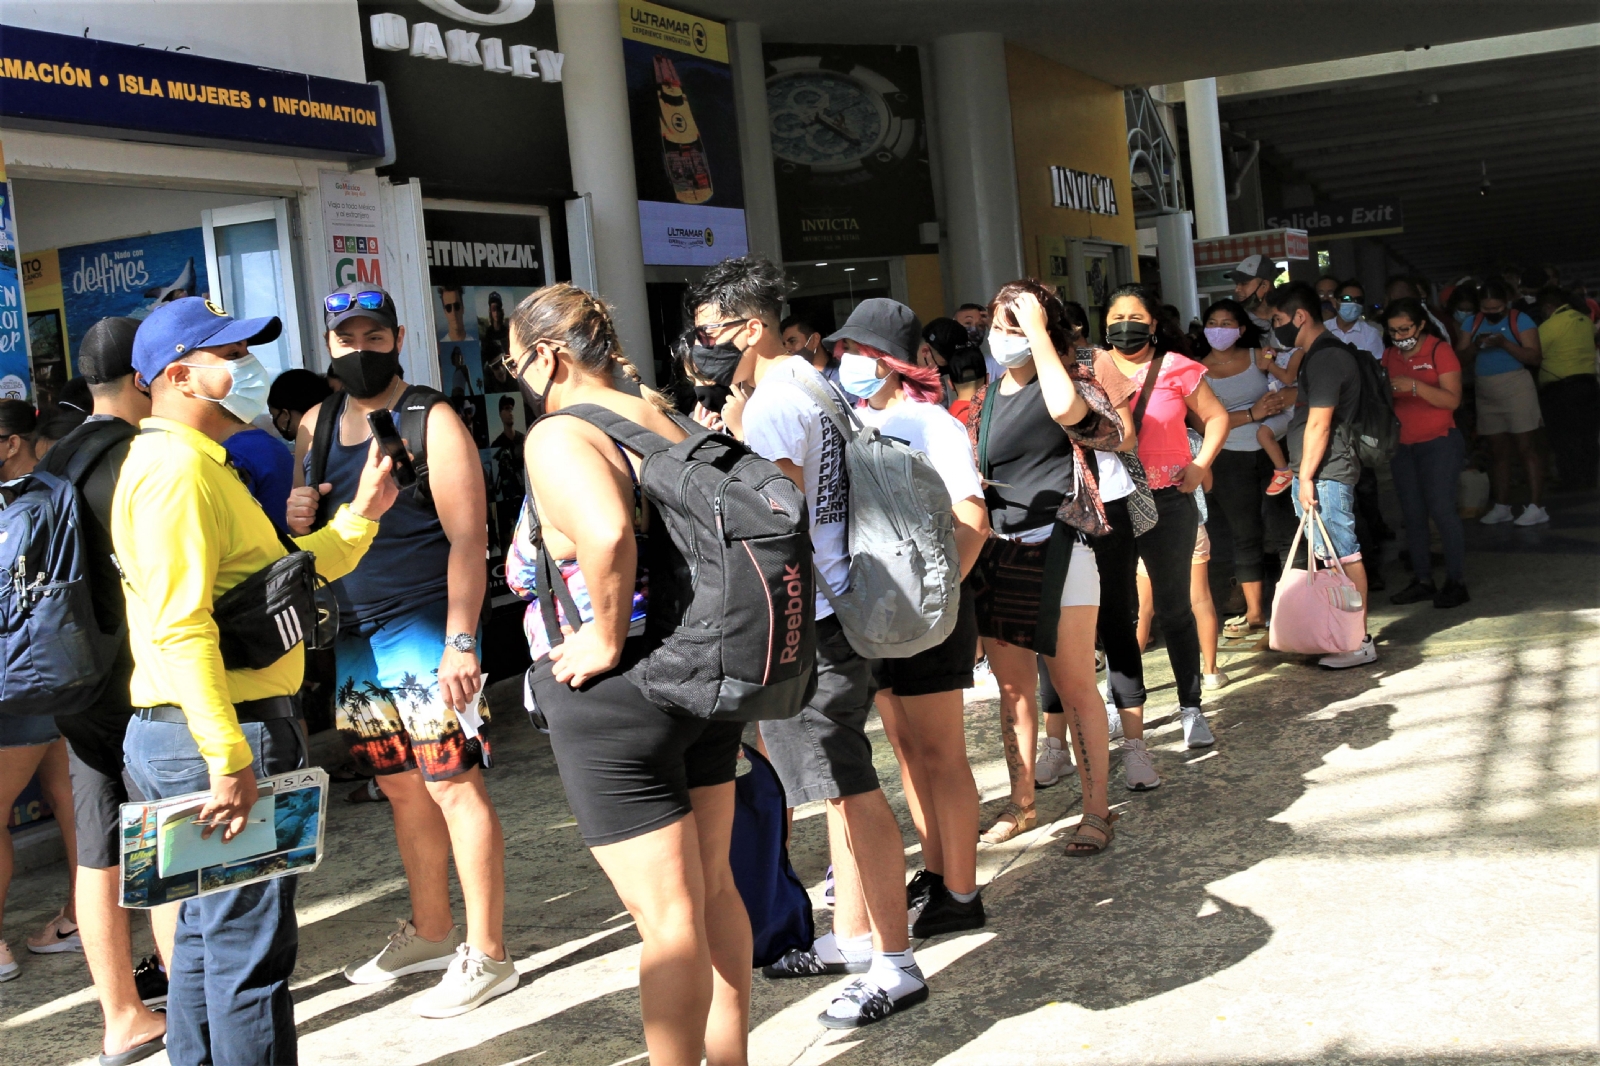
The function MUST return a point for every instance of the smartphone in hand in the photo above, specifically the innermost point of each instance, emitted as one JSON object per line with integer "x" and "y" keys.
{"x": 390, "y": 444}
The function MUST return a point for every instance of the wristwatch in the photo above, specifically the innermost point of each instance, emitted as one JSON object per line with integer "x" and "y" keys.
{"x": 462, "y": 642}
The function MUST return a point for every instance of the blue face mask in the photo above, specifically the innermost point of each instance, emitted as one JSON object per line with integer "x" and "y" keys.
{"x": 1349, "y": 312}
{"x": 247, "y": 395}
{"x": 858, "y": 374}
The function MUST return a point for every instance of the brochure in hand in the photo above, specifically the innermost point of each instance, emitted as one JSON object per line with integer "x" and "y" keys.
{"x": 164, "y": 858}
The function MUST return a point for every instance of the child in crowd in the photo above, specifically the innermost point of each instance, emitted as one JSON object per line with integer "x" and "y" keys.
{"x": 1282, "y": 370}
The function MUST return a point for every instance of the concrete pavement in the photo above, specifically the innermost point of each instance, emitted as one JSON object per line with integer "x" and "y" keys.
{"x": 1394, "y": 864}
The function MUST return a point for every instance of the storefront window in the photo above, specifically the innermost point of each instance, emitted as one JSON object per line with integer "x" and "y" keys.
{"x": 250, "y": 275}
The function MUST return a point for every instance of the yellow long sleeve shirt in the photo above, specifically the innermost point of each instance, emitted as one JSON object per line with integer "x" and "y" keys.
{"x": 186, "y": 529}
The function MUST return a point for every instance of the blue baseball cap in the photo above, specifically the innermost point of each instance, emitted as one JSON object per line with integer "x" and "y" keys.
{"x": 175, "y": 329}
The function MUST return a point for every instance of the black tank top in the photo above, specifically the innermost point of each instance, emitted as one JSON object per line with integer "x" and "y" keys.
{"x": 1030, "y": 456}
{"x": 407, "y": 566}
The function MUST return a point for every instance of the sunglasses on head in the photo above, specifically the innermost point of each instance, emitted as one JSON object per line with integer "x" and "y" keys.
{"x": 341, "y": 301}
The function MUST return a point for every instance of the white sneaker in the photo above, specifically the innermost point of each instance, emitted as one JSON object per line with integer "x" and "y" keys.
{"x": 1113, "y": 717}
{"x": 9, "y": 970}
{"x": 1532, "y": 515}
{"x": 471, "y": 980}
{"x": 1137, "y": 768}
{"x": 1214, "y": 681}
{"x": 1051, "y": 762}
{"x": 1196, "y": 733}
{"x": 1495, "y": 515}
{"x": 405, "y": 953}
{"x": 1367, "y": 653}
{"x": 59, "y": 934}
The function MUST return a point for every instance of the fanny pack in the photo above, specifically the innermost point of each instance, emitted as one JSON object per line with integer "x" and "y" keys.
{"x": 285, "y": 603}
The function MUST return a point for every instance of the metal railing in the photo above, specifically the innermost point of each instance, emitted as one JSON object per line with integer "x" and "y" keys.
{"x": 1153, "y": 164}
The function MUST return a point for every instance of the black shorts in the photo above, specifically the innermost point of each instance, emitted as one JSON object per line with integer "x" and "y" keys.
{"x": 627, "y": 766}
{"x": 99, "y": 785}
{"x": 946, "y": 667}
{"x": 823, "y": 752}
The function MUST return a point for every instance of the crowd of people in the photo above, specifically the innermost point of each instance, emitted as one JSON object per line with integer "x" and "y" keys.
{"x": 1079, "y": 482}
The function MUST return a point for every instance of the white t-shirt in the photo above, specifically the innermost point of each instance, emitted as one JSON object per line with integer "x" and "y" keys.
{"x": 1363, "y": 334}
{"x": 782, "y": 422}
{"x": 931, "y": 430}
{"x": 1115, "y": 484}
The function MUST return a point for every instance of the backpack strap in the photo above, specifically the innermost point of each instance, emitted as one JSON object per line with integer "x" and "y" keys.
{"x": 416, "y": 403}
{"x": 90, "y": 448}
{"x": 322, "y": 438}
{"x": 985, "y": 415}
{"x": 1145, "y": 391}
{"x": 625, "y": 431}
{"x": 826, "y": 396}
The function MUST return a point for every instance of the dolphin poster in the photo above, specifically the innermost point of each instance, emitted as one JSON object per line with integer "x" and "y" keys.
{"x": 130, "y": 276}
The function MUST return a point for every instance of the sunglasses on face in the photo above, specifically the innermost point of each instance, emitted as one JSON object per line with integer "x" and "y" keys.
{"x": 341, "y": 301}
{"x": 1349, "y": 299}
{"x": 706, "y": 334}
{"x": 451, "y": 308}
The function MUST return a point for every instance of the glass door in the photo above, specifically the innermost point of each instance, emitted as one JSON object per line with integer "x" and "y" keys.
{"x": 248, "y": 252}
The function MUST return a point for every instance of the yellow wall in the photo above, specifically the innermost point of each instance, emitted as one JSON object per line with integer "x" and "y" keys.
{"x": 924, "y": 287}
{"x": 1060, "y": 117}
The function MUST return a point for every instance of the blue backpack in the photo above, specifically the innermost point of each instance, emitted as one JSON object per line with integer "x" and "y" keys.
{"x": 779, "y": 909}
{"x": 56, "y": 656}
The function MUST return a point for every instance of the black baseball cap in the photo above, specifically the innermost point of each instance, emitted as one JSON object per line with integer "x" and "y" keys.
{"x": 1257, "y": 267}
{"x": 887, "y": 325}
{"x": 106, "y": 352}
{"x": 359, "y": 299}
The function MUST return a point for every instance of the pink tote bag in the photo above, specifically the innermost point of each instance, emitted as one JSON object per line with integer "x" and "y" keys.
{"x": 1315, "y": 611}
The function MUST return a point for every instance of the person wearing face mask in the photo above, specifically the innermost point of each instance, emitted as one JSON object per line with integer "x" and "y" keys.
{"x": 1037, "y": 587}
{"x": 1246, "y": 469}
{"x": 411, "y": 609}
{"x": 974, "y": 318}
{"x": 1321, "y": 450}
{"x": 1348, "y": 324}
{"x": 293, "y": 393}
{"x": 1503, "y": 344}
{"x": 1425, "y": 377}
{"x": 919, "y": 698}
{"x": 802, "y": 338}
{"x": 1252, "y": 284}
{"x": 185, "y": 531}
{"x": 1569, "y": 395}
{"x": 1170, "y": 388}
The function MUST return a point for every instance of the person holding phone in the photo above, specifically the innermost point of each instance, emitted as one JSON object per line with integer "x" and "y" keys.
{"x": 410, "y": 701}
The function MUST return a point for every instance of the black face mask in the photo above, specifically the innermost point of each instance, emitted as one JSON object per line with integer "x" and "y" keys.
{"x": 1287, "y": 334}
{"x": 366, "y": 374}
{"x": 719, "y": 362}
{"x": 1128, "y": 336}
{"x": 712, "y": 397}
{"x": 1495, "y": 316}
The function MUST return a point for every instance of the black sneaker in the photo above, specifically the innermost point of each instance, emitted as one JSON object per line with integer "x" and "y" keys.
{"x": 1415, "y": 592}
{"x": 946, "y": 914}
{"x": 798, "y": 962}
{"x": 868, "y": 1003}
{"x": 923, "y": 885}
{"x": 1454, "y": 594}
{"x": 151, "y": 981}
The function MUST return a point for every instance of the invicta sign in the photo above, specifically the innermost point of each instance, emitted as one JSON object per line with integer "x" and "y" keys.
{"x": 1074, "y": 189}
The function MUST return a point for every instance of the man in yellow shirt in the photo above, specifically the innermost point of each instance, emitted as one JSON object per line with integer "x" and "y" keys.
{"x": 1569, "y": 393}
{"x": 186, "y": 530}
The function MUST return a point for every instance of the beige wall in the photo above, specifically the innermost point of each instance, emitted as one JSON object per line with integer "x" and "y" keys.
{"x": 1060, "y": 117}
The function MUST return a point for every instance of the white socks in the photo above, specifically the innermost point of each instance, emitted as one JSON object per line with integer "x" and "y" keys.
{"x": 836, "y": 950}
{"x": 895, "y": 972}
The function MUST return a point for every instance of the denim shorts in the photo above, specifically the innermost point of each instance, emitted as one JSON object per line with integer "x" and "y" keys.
{"x": 27, "y": 731}
{"x": 1336, "y": 502}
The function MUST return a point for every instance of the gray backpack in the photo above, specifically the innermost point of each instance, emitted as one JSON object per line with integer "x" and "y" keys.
{"x": 905, "y": 576}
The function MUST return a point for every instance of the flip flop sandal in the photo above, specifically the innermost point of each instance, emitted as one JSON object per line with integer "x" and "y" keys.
{"x": 1023, "y": 819}
{"x": 1079, "y": 846}
{"x": 136, "y": 1053}
{"x": 1240, "y": 629}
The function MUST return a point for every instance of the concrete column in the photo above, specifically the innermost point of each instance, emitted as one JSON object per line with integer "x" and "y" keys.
{"x": 755, "y": 139}
{"x": 979, "y": 164}
{"x": 1175, "y": 249}
{"x": 1209, "y": 192}
{"x": 595, "y": 87}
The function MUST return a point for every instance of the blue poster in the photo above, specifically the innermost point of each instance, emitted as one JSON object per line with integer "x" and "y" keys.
{"x": 13, "y": 341}
{"x": 130, "y": 277}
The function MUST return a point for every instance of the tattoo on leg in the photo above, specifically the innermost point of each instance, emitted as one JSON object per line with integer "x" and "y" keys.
{"x": 1008, "y": 725}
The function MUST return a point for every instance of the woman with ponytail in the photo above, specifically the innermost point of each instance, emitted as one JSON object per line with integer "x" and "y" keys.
{"x": 919, "y": 698}
{"x": 652, "y": 791}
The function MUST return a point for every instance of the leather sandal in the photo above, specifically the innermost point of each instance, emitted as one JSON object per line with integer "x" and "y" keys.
{"x": 1079, "y": 845}
{"x": 1022, "y": 820}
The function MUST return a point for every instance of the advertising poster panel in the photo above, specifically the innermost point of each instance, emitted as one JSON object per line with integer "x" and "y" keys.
{"x": 13, "y": 336}
{"x": 352, "y": 224}
{"x": 850, "y": 150}
{"x": 129, "y": 276}
{"x": 685, "y": 136}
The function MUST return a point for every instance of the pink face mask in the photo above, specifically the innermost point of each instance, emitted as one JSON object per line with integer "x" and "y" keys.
{"x": 1222, "y": 337}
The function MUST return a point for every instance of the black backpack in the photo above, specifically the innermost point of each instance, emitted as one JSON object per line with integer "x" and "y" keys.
{"x": 732, "y": 600}
{"x": 415, "y": 405}
{"x": 1376, "y": 429}
{"x": 58, "y": 651}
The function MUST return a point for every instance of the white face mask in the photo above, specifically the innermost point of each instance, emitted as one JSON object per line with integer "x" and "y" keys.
{"x": 1009, "y": 349}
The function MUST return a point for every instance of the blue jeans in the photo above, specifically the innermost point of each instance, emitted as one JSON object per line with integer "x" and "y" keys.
{"x": 1426, "y": 477}
{"x": 228, "y": 999}
{"x": 1336, "y": 502}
